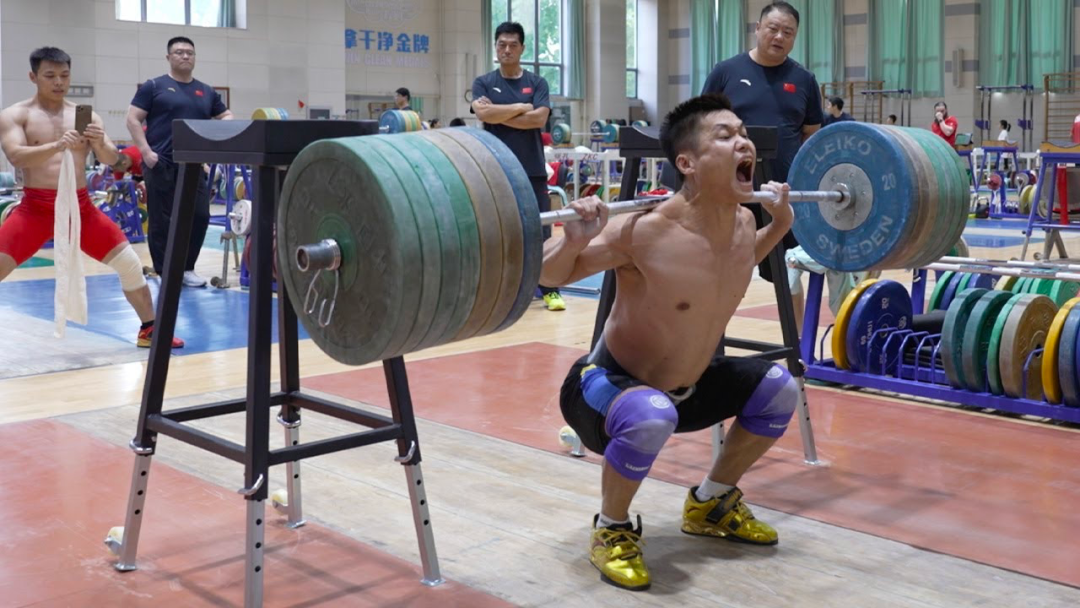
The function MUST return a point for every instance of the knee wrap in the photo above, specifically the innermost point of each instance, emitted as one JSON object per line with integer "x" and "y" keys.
{"x": 770, "y": 407}
{"x": 639, "y": 423}
{"x": 129, "y": 267}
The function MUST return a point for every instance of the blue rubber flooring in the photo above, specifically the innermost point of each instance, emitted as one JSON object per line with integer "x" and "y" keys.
{"x": 208, "y": 320}
{"x": 986, "y": 240}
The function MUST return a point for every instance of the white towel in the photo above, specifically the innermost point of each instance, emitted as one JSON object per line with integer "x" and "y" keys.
{"x": 70, "y": 299}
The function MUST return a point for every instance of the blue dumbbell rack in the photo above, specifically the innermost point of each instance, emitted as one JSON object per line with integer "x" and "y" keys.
{"x": 887, "y": 370}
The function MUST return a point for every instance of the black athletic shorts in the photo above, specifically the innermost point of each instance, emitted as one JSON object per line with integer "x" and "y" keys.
{"x": 721, "y": 393}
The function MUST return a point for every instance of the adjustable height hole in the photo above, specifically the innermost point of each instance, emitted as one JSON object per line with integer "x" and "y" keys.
{"x": 419, "y": 481}
{"x": 138, "y": 511}
{"x": 139, "y": 493}
{"x": 426, "y": 522}
{"x": 258, "y": 568}
{"x": 423, "y": 502}
{"x": 296, "y": 476}
{"x": 258, "y": 522}
{"x": 258, "y": 545}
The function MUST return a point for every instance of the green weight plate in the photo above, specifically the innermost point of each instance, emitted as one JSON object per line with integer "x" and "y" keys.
{"x": 976, "y": 338}
{"x": 948, "y": 213}
{"x": 529, "y": 213}
{"x": 429, "y": 330}
{"x": 1050, "y": 381}
{"x": 341, "y": 189}
{"x": 457, "y": 196}
{"x": 952, "y": 334}
{"x": 1021, "y": 285}
{"x": 505, "y": 207}
{"x": 428, "y": 226}
{"x": 938, "y": 215}
{"x": 1063, "y": 291}
{"x": 1025, "y": 331}
{"x": 958, "y": 201}
{"x": 993, "y": 368}
{"x": 1042, "y": 287}
{"x": 915, "y": 232}
{"x": 958, "y": 184}
{"x": 506, "y": 201}
{"x": 963, "y": 284}
{"x": 939, "y": 289}
{"x": 487, "y": 223}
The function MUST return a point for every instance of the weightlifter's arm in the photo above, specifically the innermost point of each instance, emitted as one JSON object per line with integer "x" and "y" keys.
{"x": 782, "y": 218}
{"x": 587, "y": 247}
{"x": 23, "y": 156}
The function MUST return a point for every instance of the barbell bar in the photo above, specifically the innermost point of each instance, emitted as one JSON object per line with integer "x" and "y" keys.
{"x": 326, "y": 254}
{"x": 396, "y": 243}
{"x": 841, "y": 197}
{"x": 1005, "y": 271}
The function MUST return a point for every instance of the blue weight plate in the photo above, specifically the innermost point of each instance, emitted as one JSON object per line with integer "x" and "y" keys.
{"x": 529, "y": 211}
{"x": 394, "y": 121}
{"x": 881, "y": 169}
{"x": 883, "y": 304}
{"x": 1069, "y": 359}
{"x": 953, "y": 287}
{"x": 982, "y": 281}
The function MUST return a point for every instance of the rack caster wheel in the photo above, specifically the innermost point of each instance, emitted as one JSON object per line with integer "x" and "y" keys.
{"x": 219, "y": 283}
{"x": 114, "y": 539}
{"x": 280, "y": 499}
{"x": 1037, "y": 255}
{"x": 569, "y": 439}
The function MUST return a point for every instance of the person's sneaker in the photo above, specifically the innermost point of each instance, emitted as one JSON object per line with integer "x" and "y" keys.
{"x": 145, "y": 338}
{"x": 193, "y": 280}
{"x": 617, "y": 553}
{"x": 554, "y": 301}
{"x": 725, "y": 516}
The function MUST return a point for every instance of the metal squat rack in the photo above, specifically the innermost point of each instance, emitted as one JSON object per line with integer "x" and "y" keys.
{"x": 888, "y": 347}
{"x": 269, "y": 147}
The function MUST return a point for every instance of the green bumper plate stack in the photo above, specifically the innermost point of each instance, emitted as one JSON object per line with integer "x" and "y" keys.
{"x": 976, "y": 338}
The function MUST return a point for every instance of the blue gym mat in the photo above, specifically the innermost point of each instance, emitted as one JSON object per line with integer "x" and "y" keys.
{"x": 209, "y": 319}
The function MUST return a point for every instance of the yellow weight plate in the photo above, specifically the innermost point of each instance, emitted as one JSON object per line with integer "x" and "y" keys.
{"x": 840, "y": 327}
{"x": 1006, "y": 284}
{"x": 1050, "y": 380}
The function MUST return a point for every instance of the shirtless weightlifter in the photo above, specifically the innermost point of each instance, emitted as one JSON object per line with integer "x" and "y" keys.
{"x": 682, "y": 270}
{"x": 34, "y": 134}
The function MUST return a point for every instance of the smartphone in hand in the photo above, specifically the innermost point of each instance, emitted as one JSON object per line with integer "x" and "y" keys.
{"x": 83, "y": 115}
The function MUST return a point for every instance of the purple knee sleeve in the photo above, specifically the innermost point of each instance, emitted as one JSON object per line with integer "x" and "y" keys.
{"x": 639, "y": 422}
{"x": 770, "y": 407}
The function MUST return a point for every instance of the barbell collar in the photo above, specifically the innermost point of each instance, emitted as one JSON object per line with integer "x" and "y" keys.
{"x": 324, "y": 255}
{"x": 841, "y": 196}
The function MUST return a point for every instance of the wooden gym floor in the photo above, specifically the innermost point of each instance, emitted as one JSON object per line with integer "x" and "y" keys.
{"x": 919, "y": 504}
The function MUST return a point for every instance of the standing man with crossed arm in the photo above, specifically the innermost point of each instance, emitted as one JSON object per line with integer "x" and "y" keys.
{"x": 513, "y": 104}
{"x": 159, "y": 101}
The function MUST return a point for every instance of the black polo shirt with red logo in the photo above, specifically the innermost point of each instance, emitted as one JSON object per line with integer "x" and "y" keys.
{"x": 165, "y": 100}
{"x": 526, "y": 144}
{"x": 785, "y": 96}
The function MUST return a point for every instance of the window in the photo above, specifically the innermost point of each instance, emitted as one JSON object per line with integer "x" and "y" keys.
{"x": 204, "y": 13}
{"x": 631, "y": 48}
{"x": 543, "y": 24}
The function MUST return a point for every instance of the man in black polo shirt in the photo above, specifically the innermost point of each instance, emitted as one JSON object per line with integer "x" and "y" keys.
{"x": 159, "y": 101}
{"x": 513, "y": 104}
{"x": 766, "y": 88}
{"x": 402, "y": 99}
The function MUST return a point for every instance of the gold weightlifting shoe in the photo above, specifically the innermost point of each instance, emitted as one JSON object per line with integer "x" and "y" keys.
{"x": 616, "y": 553}
{"x": 727, "y": 517}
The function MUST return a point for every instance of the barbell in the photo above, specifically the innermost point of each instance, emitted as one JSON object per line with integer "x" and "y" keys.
{"x": 396, "y": 243}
